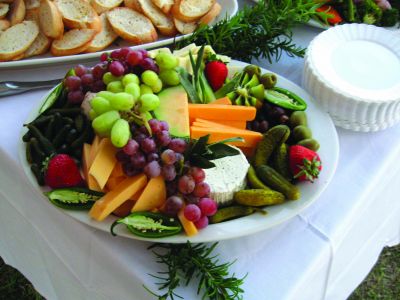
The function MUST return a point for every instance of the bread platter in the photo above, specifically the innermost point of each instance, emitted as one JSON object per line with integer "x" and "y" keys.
{"x": 227, "y": 8}
{"x": 201, "y": 118}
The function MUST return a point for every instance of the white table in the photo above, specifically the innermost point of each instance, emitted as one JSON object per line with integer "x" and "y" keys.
{"x": 323, "y": 253}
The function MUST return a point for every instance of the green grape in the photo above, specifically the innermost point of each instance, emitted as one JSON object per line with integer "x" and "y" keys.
{"x": 106, "y": 95}
{"x": 122, "y": 101}
{"x": 156, "y": 88}
{"x": 120, "y": 133}
{"x": 115, "y": 87}
{"x": 148, "y": 102}
{"x": 169, "y": 77}
{"x": 92, "y": 114}
{"x": 166, "y": 60}
{"x": 103, "y": 123}
{"x": 100, "y": 105}
{"x": 145, "y": 89}
{"x": 149, "y": 77}
{"x": 108, "y": 77}
{"x": 129, "y": 78}
{"x": 133, "y": 89}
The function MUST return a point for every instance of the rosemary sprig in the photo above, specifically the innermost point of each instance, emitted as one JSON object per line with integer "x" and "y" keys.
{"x": 260, "y": 31}
{"x": 187, "y": 261}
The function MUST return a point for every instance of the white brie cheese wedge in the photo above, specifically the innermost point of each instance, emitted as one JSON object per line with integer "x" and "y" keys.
{"x": 227, "y": 177}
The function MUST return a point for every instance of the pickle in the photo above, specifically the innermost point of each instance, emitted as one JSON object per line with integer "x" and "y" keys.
{"x": 301, "y": 132}
{"x": 272, "y": 139}
{"x": 277, "y": 182}
{"x": 232, "y": 212}
{"x": 280, "y": 161}
{"x": 254, "y": 181}
{"x": 311, "y": 144}
{"x": 258, "y": 197}
{"x": 298, "y": 118}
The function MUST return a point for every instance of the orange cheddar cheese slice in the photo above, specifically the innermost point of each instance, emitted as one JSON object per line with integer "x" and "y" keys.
{"x": 114, "y": 198}
{"x": 104, "y": 162}
{"x": 222, "y": 112}
{"x": 153, "y": 195}
{"x": 188, "y": 226}
{"x": 219, "y": 123}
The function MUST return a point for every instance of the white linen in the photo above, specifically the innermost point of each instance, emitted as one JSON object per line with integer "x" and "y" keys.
{"x": 323, "y": 253}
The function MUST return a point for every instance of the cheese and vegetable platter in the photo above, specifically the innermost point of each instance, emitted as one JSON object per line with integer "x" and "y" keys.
{"x": 171, "y": 146}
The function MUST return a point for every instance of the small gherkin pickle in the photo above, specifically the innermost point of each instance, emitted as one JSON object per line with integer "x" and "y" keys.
{"x": 298, "y": 118}
{"x": 258, "y": 197}
{"x": 272, "y": 140}
{"x": 254, "y": 181}
{"x": 280, "y": 161}
{"x": 232, "y": 212}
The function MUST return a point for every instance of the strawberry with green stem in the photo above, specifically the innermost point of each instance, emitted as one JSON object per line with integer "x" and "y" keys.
{"x": 305, "y": 164}
{"x": 216, "y": 72}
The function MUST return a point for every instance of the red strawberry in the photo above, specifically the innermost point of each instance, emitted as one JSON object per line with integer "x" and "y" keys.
{"x": 304, "y": 163}
{"x": 62, "y": 171}
{"x": 216, "y": 73}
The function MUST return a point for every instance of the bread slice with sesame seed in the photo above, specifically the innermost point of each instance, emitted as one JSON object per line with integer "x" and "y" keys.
{"x": 50, "y": 19}
{"x": 104, "y": 38}
{"x": 4, "y": 8}
{"x": 39, "y": 46}
{"x": 17, "y": 12}
{"x": 73, "y": 42}
{"x": 17, "y": 39}
{"x": 191, "y": 10}
{"x": 131, "y": 25}
{"x": 101, "y": 6}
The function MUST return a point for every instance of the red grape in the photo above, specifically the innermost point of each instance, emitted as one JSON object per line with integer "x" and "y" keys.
{"x": 198, "y": 174}
{"x": 168, "y": 157}
{"x": 192, "y": 199}
{"x": 115, "y": 54}
{"x": 129, "y": 169}
{"x": 104, "y": 56}
{"x": 208, "y": 206}
{"x": 149, "y": 64}
{"x": 80, "y": 70}
{"x": 139, "y": 137}
{"x": 172, "y": 187}
{"x": 168, "y": 172}
{"x": 201, "y": 223}
{"x": 192, "y": 212}
{"x": 116, "y": 68}
{"x": 155, "y": 126}
{"x": 99, "y": 70}
{"x": 186, "y": 184}
{"x": 134, "y": 58}
{"x": 152, "y": 156}
{"x": 178, "y": 145}
{"x": 87, "y": 79}
{"x": 163, "y": 138}
{"x": 152, "y": 169}
{"x": 75, "y": 97}
{"x": 173, "y": 205}
{"x": 122, "y": 157}
{"x": 148, "y": 145}
{"x": 202, "y": 189}
{"x": 138, "y": 160}
{"x": 144, "y": 52}
{"x": 73, "y": 83}
{"x": 98, "y": 86}
{"x": 131, "y": 147}
{"x": 123, "y": 53}
{"x": 164, "y": 125}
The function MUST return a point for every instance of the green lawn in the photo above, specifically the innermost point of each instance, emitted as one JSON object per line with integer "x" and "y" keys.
{"x": 382, "y": 283}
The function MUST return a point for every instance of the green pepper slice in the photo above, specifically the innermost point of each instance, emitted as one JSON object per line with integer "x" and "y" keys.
{"x": 74, "y": 198}
{"x": 285, "y": 98}
{"x": 149, "y": 224}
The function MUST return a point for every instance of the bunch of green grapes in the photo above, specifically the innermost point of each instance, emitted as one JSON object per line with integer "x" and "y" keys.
{"x": 167, "y": 63}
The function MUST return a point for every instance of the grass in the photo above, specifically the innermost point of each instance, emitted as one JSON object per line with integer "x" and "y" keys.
{"x": 383, "y": 282}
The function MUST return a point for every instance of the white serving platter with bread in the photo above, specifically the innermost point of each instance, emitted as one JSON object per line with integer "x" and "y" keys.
{"x": 43, "y": 33}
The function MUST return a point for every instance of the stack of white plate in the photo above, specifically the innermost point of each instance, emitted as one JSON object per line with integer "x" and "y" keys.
{"x": 353, "y": 71}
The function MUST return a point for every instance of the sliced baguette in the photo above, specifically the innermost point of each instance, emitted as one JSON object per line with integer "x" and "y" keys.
{"x": 39, "y": 46}
{"x": 104, "y": 38}
{"x": 211, "y": 15}
{"x": 17, "y": 12}
{"x": 4, "y": 8}
{"x": 4, "y": 24}
{"x": 134, "y": 4}
{"x": 73, "y": 42}
{"x": 32, "y": 4}
{"x": 185, "y": 27}
{"x": 78, "y": 14}
{"x": 131, "y": 25}
{"x": 191, "y": 10}
{"x": 50, "y": 19}
{"x": 33, "y": 15}
{"x": 101, "y": 6}
{"x": 17, "y": 39}
{"x": 164, "y": 5}
{"x": 163, "y": 22}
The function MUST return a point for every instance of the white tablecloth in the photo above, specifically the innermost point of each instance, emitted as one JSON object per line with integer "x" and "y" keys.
{"x": 323, "y": 253}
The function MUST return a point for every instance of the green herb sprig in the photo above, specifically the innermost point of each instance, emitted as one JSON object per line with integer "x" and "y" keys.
{"x": 188, "y": 261}
{"x": 260, "y": 31}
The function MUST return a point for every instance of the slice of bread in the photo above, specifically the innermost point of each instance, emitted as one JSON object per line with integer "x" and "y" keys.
{"x": 39, "y": 46}
{"x": 134, "y": 4}
{"x": 32, "y": 4}
{"x": 4, "y": 24}
{"x": 164, "y": 5}
{"x": 131, "y": 25}
{"x": 185, "y": 27}
{"x": 78, "y": 14}
{"x": 50, "y": 19}
{"x": 164, "y": 23}
{"x": 17, "y": 39}
{"x": 211, "y": 15}
{"x": 33, "y": 15}
{"x": 17, "y": 12}
{"x": 101, "y": 6}
{"x": 4, "y": 8}
{"x": 191, "y": 10}
{"x": 73, "y": 42}
{"x": 104, "y": 38}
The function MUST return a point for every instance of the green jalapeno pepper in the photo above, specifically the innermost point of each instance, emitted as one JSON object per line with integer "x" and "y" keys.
{"x": 149, "y": 224}
{"x": 284, "y": 98}
{"x": 74, "y": 198}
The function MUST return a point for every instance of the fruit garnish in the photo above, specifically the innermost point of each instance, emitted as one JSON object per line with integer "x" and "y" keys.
{"x": 62, "y": 171}
{"x": 304, "y": 163}
{"x": 216, "y": 72}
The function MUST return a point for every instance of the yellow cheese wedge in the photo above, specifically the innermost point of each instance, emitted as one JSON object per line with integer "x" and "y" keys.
{"x": 113, "y": 199}
{"x": 153, "y": 195}
{"x": 86, "y": 161}
{"x": 104, "y": 162}
{"x": 187, "y": 225}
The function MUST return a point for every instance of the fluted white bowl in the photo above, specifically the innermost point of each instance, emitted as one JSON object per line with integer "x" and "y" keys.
{"x": 353, "y": 71}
